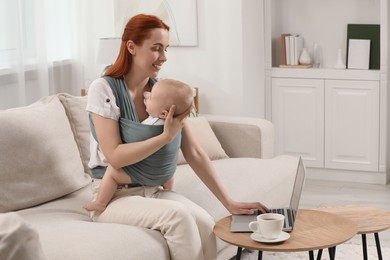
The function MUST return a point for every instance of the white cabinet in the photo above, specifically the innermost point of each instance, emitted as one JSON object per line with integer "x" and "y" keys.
{"x": 298, "y": 117}
{"x": 352, "y": 125}
{"x": 330, "y": 123}
{"x": 337, "y": 120}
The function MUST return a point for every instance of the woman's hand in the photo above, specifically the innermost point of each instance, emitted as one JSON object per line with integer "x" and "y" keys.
{"x": 241, "y": 208}
{"x": 172, "y": 124}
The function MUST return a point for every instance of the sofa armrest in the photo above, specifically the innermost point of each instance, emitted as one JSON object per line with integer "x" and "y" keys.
{"x": 244, "y": 136}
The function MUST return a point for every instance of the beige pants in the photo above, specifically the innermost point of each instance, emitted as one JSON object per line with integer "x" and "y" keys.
{"x": 17, "y": 239}
{"x": 187, "y": 228}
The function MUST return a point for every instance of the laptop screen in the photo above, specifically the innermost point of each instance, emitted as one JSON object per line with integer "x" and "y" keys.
{"x": 240, "y": 223}
{"x": 298, "y": 186}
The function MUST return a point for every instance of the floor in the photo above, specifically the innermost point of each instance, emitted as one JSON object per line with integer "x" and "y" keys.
{"x": 320, "y": 193}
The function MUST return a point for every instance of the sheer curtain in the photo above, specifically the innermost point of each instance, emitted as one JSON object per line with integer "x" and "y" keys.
{"x": 39, "y": 50}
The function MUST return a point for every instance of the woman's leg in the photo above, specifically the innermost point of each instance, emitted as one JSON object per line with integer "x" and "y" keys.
{"x": 136, "y": 206}
{"x": 204, "y": 222}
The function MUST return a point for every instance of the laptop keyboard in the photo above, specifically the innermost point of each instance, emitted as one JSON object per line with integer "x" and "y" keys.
{"x": 288, "y": 213}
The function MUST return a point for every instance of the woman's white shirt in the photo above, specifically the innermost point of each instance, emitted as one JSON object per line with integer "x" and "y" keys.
{"x": 101, "y": 101}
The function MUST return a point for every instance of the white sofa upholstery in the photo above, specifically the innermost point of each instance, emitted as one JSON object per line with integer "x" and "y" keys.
{"x": 45, "y": 178}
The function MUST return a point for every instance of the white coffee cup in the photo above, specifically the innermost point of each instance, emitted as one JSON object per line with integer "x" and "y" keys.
{"x": 268, "y": 225}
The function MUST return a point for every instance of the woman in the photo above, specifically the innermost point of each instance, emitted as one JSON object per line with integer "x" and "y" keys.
{"x": 187, "y": 228}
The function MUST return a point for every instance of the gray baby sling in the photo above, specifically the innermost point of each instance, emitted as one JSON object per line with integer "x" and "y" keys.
{"x": 159, "y": 167}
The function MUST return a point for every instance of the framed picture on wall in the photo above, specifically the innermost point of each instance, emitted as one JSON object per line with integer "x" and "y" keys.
{"x": 179, "y": 15}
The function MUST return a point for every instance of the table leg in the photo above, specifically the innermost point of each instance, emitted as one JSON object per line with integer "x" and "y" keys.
{"x": 364, "y": 244}
{"x": 311, "y": 255}
{"x": 319, "y": 254}
{"x": 332, "y": 253}
{"x": 239, "y": 251}
{"x": 378, "y": 246}
{"x": 260, "y": 255}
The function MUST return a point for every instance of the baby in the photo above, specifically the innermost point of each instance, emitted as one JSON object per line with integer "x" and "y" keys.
{"x": 158, "y": 101}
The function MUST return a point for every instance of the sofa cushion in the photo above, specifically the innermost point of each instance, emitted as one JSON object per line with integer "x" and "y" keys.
{"x": 39, "y": 156}
{"x": 79, "y": 122}
{"x": 207, "y": 139}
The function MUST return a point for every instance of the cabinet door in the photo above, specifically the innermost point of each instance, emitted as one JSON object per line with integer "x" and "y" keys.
{"x": 352, "y": 125}
{"x": 298, "y": 117}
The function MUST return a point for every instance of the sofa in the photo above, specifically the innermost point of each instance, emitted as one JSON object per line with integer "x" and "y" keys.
{"x": 45, "y": 179}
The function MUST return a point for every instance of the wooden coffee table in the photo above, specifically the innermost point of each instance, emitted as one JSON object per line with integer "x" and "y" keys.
{"x": 368, "y": 220}
{"x": 313, "y": 230}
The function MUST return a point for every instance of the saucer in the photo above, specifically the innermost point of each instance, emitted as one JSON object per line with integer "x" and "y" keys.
{"x": 282, "y": 237}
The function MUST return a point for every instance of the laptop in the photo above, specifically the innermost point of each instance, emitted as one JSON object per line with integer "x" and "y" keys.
{"x": 240, "y": 223}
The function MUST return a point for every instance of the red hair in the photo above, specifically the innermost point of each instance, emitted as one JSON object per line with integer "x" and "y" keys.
{"x": 137, "y": 29}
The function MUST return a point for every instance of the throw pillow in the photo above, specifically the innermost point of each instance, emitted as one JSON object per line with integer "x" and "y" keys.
{"x": 207, "y": 139}
{"x": 39, "y": 156}
{"x": 79, "y": 122}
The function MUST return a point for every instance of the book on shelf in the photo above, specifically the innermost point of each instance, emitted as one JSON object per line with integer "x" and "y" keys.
{"x": 298, "y": 45}
{"x": 291, "y": 48}
{"x": 284, "y": 54}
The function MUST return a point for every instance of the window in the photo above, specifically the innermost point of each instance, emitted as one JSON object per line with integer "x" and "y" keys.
{"x": 35, "y": 31}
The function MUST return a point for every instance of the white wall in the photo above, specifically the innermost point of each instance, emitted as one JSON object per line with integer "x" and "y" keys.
{"x": 253, "y": 59}
{"x": 227, "y": 64}
{"x": 98, "y": 22}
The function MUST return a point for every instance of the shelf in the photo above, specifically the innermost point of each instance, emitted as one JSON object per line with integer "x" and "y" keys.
{"x": 300, "y": 66}
{"x": 314, "y": 73}
{"x": 311, "y": 20}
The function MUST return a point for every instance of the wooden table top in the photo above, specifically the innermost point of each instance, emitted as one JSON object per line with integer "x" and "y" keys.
{"x": 368, "y": 219}
{"x": 313, "y": 230}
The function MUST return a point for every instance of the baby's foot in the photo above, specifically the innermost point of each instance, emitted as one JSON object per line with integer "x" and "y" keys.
{"x": 94, "y": 206}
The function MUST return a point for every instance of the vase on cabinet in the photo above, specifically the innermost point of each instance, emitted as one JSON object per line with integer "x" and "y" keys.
{"x": 317, "y": 56}
{"x": 304, "y": 58}
{"x": 339, "y": 64}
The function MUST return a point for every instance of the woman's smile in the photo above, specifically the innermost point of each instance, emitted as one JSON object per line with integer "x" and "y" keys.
{"x": 157, "y": 66}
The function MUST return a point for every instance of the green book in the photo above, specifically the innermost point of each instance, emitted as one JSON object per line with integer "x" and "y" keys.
{"x": 367, "y": 32}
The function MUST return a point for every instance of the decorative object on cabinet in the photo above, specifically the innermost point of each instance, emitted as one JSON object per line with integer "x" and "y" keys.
{"x": 292, "y": 46}
{"x": 304, "y": 58}
{"x": 317, "y": 55}
{"x": 358, "y": 54}
{"x": 366, "y": 32}
{"x": 339, "y": 64}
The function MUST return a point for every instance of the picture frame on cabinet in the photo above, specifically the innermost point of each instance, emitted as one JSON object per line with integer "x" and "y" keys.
{"x": 366, "y": 32}
{"x": 358, "y": 54}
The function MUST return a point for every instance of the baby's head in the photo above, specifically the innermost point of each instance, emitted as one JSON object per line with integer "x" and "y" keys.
{"x": 164, "y": 94}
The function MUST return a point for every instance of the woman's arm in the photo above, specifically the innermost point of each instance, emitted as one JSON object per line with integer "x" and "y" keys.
{"x": 201, "y": 164}
{"x": 119, "y": 154}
